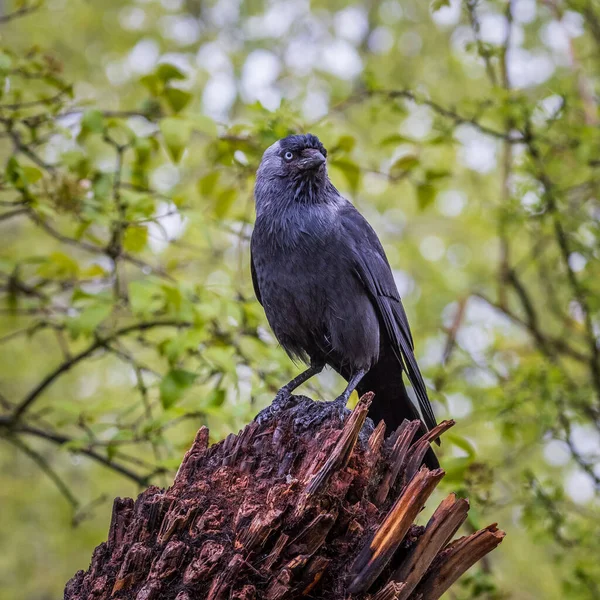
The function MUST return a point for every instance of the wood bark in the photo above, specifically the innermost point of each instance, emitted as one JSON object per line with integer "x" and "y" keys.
{"x": 306, "y": 501}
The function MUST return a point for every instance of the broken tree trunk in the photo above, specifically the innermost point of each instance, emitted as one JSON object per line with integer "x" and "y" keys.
{"x": 304, "y": 502}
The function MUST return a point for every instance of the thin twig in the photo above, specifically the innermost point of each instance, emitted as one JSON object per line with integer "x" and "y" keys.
{"x": 21, "y": 12}
{"x": 449, "y": 113}
{"x": 44, "y": 465}
{"x": 557, "y": 344}
{"x": 88, "y": 247}
{"x": 25, "y": 331}
{"x": 507, "y": 160}
{"x": 61, "y": 439}
{"x": 565, "y": 253}
{"x": 13, "y": 213}
{"x": 475, "y": 26}
{"x": 100, "y": 343}
{"x": 41, "y": 102}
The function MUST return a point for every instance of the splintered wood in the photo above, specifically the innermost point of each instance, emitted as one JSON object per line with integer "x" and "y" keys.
{"x": 304, "y": 502}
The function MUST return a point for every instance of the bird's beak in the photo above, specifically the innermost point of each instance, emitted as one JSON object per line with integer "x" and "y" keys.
{"x": 311, "y": 159}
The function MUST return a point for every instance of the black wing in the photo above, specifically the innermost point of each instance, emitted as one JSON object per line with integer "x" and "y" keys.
{"x": 254, "y": 278}
{"x": 374, "y": 271}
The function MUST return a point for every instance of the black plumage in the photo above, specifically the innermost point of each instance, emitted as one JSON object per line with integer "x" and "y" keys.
{"x": 323, "y": 278}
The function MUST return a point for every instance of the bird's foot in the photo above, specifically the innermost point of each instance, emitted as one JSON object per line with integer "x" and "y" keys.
{"x": 339, "y": 406}
{"x": 280, "y": 402}
{"x": 341, "y": 401}
{"x": 282, "y": 396}
{"x": 333, "y": 408}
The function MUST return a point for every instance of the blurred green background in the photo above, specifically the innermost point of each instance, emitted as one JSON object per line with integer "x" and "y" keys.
{"x": 130, "y": 132}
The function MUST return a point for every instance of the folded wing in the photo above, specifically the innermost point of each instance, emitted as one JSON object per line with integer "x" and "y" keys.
{"x": 374, "y": 271}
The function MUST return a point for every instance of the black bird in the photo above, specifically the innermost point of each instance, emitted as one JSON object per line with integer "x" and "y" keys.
{"x": 322, "y": 276}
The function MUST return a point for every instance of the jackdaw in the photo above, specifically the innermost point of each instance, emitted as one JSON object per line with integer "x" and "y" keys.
{"x": 322, "y": 276}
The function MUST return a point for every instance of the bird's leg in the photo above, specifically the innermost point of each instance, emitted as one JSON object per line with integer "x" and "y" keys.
{"x": 354, "y": 381}
{"x": 314, "y": 369}
{"x": 338, "y": 406}
{"x": 282, "y": 398}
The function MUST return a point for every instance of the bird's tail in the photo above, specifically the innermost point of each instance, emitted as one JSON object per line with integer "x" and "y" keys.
{"x": 392, "y": 403}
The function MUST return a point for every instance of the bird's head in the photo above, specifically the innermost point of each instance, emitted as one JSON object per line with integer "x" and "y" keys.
{"x": 292, "y": 169}
{"x": 294, "y": 156}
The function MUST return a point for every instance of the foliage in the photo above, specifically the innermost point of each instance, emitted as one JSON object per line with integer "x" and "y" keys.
{"x": 468, "y": 134}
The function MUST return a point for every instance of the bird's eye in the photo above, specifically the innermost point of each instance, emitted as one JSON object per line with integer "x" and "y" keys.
{"x": 288, "y": 156}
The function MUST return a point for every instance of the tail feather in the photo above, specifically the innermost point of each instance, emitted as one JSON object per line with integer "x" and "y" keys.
{"x": 391, "y": 403}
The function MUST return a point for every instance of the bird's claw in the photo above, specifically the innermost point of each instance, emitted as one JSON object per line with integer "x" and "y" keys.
{"x": 281, "y": 400}
{"x": 341, "y": 401}
{"x": 335, "y": 407}
{"x": 282, "y": 396}
{"x": 340, "y": 404}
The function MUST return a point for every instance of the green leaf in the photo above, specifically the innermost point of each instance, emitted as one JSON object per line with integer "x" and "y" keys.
{"x": 350, "y": 170}
{"x": 437, "y": 4}
{"x": 395, "y": 139}
{"x": 14, "y": 173}
{"x": 455, "y": 469}
{"x": 93, "y": 271}
{"x": 152, "y": 83}
{"x": 166, "y": 72}
{"x": 405, "y": 163}
{"x": 120, "y": 133}
{"x": 179, "y": 200}
{"x": 433, "y": 174}
{"x": 425, "y": 195}
{"x": 437, "y": 140}
{"x": 222, "y": 357}
{"x": 224, "y": 202}
{"x": 75, "y": 445}
{"x": 89, "y": 319}
{"x": 77, "y": 162}
{"x": 111, "y": 450}
{"x": 175, "y": 347}
{"x": 172, "y": 296}
{"x": 32, "y": 174}
{"x": 215, "y": 399}
{"x": 139, "y": 207}
{"x": 176, "y": 135}
{"x": 203, "y": 124}
{"x": 6, "y": 61}
{"x": 177, "y": 99}
{"x": 346, "y": 143}
{"x": 59, "y": 266}
{"x": 462, "y": 443}
{"x": 173, "y": 386}
{"x": 92, "y": 121}
{"x": 144, "y": 296}
{"x": 207, "y": 184}
{"x": 135, "y": 238}
{"x": 143, "y": 149}
{"x": 102, "y": 187}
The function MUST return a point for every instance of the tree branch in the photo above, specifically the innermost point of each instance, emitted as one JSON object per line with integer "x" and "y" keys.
{"x": 43, "y": 464}
{"x": 77, "y": 358}
{"x": 13, "y": 213}
{"x": 546, "y": 341}
{"x": 565, "y": 253}
{"x": 485, "y": 55}
{"x": 451, "y": 114}
{"x": 61, "y": 439}
{"x": 21, "y": 12}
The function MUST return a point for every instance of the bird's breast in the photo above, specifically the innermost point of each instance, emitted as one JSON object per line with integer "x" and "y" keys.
{"x": 294, "y": 263}
{"x": 310, "y": 293}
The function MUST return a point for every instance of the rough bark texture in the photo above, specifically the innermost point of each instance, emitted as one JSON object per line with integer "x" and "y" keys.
{"x": 306, "y": 501}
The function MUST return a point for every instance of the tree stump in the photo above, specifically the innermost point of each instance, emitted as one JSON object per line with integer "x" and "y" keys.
{"x": 306, "y": 501}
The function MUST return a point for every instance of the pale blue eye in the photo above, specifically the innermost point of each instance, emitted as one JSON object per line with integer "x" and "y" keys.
{"x": 288, "y": 156}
